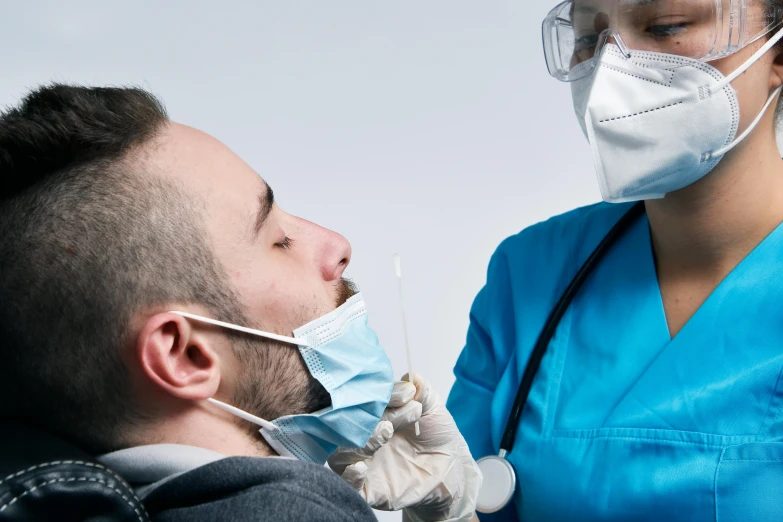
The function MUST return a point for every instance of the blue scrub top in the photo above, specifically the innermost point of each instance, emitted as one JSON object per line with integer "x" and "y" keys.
{"x": 623, "y": 422}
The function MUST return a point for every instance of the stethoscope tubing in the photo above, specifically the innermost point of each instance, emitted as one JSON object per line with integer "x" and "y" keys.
{"x": 502, "y": 484}
{"x": 552, "y": 322}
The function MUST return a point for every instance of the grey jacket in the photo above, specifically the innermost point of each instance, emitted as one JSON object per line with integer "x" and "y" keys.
{"x": 186, "y": 484}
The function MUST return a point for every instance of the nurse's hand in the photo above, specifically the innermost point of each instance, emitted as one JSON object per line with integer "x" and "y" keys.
{"x": 432, "y": 476}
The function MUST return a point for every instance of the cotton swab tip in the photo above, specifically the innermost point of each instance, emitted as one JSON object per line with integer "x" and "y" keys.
{"x": 397, "y": 265}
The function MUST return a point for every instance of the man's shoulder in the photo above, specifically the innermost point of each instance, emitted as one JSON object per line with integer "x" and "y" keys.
{"x": 257, "y": 489}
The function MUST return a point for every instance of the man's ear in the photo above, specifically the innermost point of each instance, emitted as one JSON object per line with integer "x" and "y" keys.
{"x": 176, "y": 358}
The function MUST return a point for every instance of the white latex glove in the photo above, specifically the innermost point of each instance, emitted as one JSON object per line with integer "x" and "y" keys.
{"x": 431, "y": 476}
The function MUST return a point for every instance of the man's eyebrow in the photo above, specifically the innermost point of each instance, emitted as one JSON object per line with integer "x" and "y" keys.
{"x": 266, "y": 201}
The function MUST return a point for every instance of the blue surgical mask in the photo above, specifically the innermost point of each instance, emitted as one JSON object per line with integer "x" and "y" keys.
{"x": 343, "y": 353}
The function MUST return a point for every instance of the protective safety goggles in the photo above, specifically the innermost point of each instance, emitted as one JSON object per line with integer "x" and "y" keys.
{"x": 576, "y": 30}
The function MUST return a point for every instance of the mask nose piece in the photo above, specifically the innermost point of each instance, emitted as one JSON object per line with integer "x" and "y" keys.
{"x": 617, "y": 39}
{"x": 621, "y": 44}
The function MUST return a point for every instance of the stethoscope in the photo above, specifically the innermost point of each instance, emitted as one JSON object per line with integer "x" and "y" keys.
{"x": 500, "y": 478}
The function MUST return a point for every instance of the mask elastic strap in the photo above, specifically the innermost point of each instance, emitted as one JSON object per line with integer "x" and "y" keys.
{"x": 727, "y": 148}
{"x": 244, "y": 415}
{"x": 251, "y": 331}
{"x": 745, "y": 66}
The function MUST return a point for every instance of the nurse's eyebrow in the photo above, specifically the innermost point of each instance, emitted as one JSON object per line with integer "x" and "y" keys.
{"x": 590, "y": 9}
{"x": 637, "y": 3}
{"x": 266, "y": 201}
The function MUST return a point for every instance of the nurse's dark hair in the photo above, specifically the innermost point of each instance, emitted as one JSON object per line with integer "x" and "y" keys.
{"x": 779, "y": 5}
{"x": 88, "y": 237}
{"x": 779, "y": 47}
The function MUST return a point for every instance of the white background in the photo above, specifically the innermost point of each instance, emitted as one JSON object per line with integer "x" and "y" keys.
{"x": 425, "y": 127}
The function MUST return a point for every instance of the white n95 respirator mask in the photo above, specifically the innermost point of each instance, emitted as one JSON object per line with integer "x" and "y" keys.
{"x": 343, "y": 353}
{"x": 657, "y": 122}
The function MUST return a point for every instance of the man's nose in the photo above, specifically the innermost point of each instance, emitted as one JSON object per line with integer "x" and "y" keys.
{"x": 331, "y": 252}
{"x": 335, "y": 255}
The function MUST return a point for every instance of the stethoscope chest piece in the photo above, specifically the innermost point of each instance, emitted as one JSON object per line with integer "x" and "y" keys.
{"x": 498, "y": 486}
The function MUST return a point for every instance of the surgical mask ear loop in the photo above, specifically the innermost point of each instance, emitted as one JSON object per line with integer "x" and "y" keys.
{"x": 748, "y": 64}
{"x": 244, "y": 415}
{"x": 733, "y": 76}
{"x": 727, "y": 148}
{"x": 251, "y": 331}
{"x": 282, "y": 338}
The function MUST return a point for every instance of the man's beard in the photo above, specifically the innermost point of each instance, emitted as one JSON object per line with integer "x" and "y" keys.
{"x": 274, "y": 380}
{"x": 345, "y": 290}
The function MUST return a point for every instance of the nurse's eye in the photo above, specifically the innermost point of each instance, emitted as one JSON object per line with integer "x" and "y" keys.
{"x": 667, "y": 30}
{"x": 586, "y": 43}
{"x": 285, "y": 244}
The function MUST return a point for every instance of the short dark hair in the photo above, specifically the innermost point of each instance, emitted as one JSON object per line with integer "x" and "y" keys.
{"x": 776, "y": 6}
{"x": 89, "y": 236}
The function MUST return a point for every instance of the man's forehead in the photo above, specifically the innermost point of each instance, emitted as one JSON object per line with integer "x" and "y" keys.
{"x": 180, "y": 144}
{"x": 203, "y": 162}
{"x": 236, "y": 199}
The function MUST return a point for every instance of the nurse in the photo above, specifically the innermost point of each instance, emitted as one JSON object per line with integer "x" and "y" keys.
{"x": 625, "y": 358}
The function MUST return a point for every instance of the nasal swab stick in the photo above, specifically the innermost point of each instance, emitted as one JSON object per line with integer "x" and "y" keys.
{"x": 398, "y": 269}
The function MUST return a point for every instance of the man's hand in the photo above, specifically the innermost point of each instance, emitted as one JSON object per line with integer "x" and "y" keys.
{"x": 431, "y": 476}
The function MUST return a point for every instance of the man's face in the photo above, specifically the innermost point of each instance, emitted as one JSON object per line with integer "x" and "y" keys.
{"x": 285, "y": 270}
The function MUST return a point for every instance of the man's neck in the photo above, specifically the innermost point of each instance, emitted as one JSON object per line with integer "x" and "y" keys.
{"x": 203, "y": 426}
{"x": 706, "y": 229}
